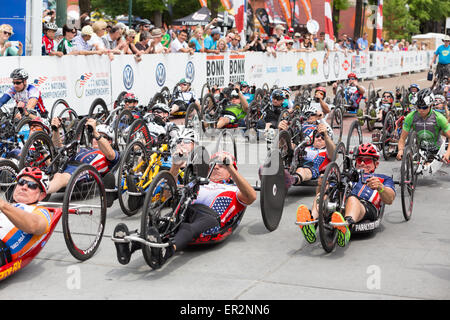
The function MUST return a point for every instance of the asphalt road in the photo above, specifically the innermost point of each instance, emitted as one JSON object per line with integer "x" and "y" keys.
{"x": 400, "y": 260}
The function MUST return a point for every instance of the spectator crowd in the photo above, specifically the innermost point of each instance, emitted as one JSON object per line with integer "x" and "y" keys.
{"x": 104, "y": 38}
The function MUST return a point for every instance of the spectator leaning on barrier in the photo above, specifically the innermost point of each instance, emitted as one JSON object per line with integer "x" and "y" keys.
{"x": 363, "y": 43}
{"x": 81, "y": 42}
{"x": 143, "y": 45}
{"x": 111, "y": 39}
{"x": 144, "y": 25}
{"x": 270, "y": 48}
{"x": 6, "y": 47}
{"x": 99, "y": 28}
{"x": 211, "y": 41}
{"x": 48, "y": 44}
{"x": 297, "y": 41}
{"x": 278, "y": 32}
{"x": 155, "y": 42}
{"x": 307, "y": 44}
{"x": 198, "y": 40}
{"x": 222, "y": 45}
{"x": 179, "y": 44}
{"x": 235, "y": 44}
{"x": 256, "y": 43}
{"x": 65, "y": 45}
{"x": 321, "y": 45}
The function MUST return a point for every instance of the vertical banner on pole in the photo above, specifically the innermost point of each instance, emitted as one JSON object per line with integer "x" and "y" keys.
{"x": 379, "y": 44}
{"x": 204, "y": 3}
{"x": 307, "y": 7}
{"x": 285, "y": 7}
{"x": 329, "y": 33}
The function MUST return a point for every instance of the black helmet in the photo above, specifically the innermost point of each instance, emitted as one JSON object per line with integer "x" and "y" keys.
{"x": 425, "y": 97}
{"x": 277, "y": 94}
{"x": 19, "y": 73}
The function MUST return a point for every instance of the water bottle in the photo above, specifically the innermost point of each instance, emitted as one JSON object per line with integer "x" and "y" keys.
{"x": 430, "y": 75}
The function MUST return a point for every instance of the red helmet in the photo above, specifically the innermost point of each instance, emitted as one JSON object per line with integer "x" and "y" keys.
{"x": 129, "y": 97}
{"x": 367, "y": 150}
{"x": 225, "y": 153}
{"x": 351, "y": 75}
{"x": 41, "y": 122}
{"x": 37, "y": 175}
{"x": 322, "y": 89}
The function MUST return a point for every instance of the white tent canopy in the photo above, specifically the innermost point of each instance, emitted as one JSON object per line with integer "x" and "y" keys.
{"x": 433, "y": 38}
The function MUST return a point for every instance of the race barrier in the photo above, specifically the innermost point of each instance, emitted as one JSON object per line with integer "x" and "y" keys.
{"x": 81, "y": 79}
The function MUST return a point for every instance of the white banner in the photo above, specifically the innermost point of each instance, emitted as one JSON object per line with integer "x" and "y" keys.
{"x": 81, "y": 79}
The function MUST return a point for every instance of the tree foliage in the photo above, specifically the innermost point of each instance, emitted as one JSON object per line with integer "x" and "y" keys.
{"x": 398, "y": 21}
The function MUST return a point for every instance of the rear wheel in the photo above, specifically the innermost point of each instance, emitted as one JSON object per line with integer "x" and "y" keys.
{"x": 84, "y": 212}
{"x": 329, "y": 201}
{"x": 58, "y": 106}
{"x": 227, "y": 142}
{"x": 121, "y": 126}
{"x": 209, "y": 110}
{"x": 139, "y": 131}
{"x": 337, "y": 124}
{"x": 38, "y": 151}
{"x": 99, "y": 110}
{"x": 158, "y": 211}
{"x": 389, "y": 136}
{"x": 8, "y": 174}
{"x": 193, "y": 119}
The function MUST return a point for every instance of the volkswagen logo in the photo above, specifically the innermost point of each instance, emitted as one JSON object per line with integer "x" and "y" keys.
{"x": 190, "y": 71}
{"x": 160, "y": 74}
{"x": 128, "y": 77}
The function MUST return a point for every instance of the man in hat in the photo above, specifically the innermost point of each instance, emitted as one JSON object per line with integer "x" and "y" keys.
{"x": 155, "y": 42}
{"x": 443, "y": 52}
{"x": 211, "y": 41}
{"x": 81, "y": 42}
{"x": 144, "y": 25}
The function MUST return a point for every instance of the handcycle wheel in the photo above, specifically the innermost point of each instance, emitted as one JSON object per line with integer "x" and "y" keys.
{"x": 354, "y": 137}
{"x": 205, "y": 90}
{"x": 58, "y": 106}
{"x": 158, "y": 98}
{"x": 8, "y": 174}
{"x": 134, "y": 161}
{"x": 83, "y": 134}
{"x": 22, "y": 129}
{"x": 408, "y": 180}
{"x": 266, "y": 88}
{"x": 329, "y": 201}
{"x": 197, "y": 165}
{"x": 209, "y": 109}
{"x": 226, "y": 142}
{"x": 38, "y": 151}
{"x": 337, "y": 124}
{"x": 193, "y": 118}
{"x": 295, "y": 130}
{"x": 284, "y": 146}
{"x": 253, "y": 114}
{"x": 139, "y": 131}
{"x": 340, "y": 157}
{"x": 69, "y": 120}
{"x": 371, "y": 92}
{"x": 158, "y": 211}
{"x": 119, "y": 99}
{"x": 259, "y": 95}
{"x": 99, "y": 110}
{"x": 273, "y": 190}
{"x": 371, "y": 111}
{"x": 84, "y": 212}
{"x": 121, "y": 125}
{"x": 284, "y": 115}
{"x": 388, "y": 134}
{"x": 165, "y": 91}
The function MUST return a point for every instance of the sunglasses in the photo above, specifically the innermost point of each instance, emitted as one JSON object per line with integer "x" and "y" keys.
{"x": 367, "y": 161}
{"x": 184, "y": 141}
{"x": 30, "y": 184}
{"x": 320, "y": 135}
{"x": 386, "y": 97}
{"x": 422, "y": 108}
{"x": 17, "y": 82}
{"x": 351, "y": 78}
{"x": 7, "y": 33}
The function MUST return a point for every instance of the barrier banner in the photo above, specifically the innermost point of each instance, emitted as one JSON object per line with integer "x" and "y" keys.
{"x": 81, "y": 79}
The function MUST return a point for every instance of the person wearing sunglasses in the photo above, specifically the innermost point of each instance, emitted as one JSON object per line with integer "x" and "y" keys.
{"x": 23, "y": 223}
{"x": 183, "y": 97}
{"x": 48, "y": 40}
{"x": 440, "y": 105}
{"x": 27, "y": 97}
{"x": 354, "y": 91}
{"x": 429, "y": 125}
{"x": 364, "y": 203}
{"x": 225, "y": 197}
{"x": 386, "y": 103}
{"x": 7, "y": 48}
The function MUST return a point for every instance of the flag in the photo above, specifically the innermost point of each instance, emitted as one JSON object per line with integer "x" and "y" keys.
{"x": 203, "y": 3}
{"x": 263, "y": 18}
{"x": 240, "y": 17}
{"x": 379, "y": 25}
{"x": 226, "y": 4}
{"x": 307, "y": 7}
{"x": 329, "y": 34}
{"x": 285, "y": 6}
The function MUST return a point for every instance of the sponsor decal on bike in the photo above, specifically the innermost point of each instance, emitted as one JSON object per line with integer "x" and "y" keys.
{"x": 13, "y": 269}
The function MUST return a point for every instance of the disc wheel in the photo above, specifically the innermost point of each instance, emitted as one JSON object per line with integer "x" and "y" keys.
{"x": 354, "y": 137}
{"x": 329, "y": 194}
{"x": 408, "y": 181}
{"x": 158, "y": 211}
{"x": 84, "y": 212}
{"x": 388, "y": 135}
{"x": 133, "y": 163}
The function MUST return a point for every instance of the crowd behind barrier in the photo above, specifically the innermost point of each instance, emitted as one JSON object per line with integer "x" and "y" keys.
{"x": 81, "y": 79}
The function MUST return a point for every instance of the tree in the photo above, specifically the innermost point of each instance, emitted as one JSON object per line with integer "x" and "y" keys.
{"x": 429, "y": 12}
{"x": 337, "y": 6}
{"x": 398, "y": 21}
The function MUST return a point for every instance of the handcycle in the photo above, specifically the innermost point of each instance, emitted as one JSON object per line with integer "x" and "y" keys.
{"x": 166, "y": 206}
{"x": 342, "y": 98}
{"x": 372, "y": 108}
{"x": 78, "y": 214}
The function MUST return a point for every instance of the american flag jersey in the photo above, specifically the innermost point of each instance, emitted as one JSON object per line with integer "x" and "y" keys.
{"x": 362, "y": 191}
{"x": 26, "y": 94}
{"x": 97, "y": 159}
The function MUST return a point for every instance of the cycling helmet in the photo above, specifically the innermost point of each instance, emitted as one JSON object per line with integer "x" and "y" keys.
{"x": 367, "y": 150}
{"x": 234, "y": 93}
{"x": 130, "y": 97}
{"x": 19, "y": 73}
{"x": 243, "y": 84}
{"x": 352, "y": 75}
{"x": 224, "y": 153}
{"x": 439, "y": 98}
{"x": 322, "y": 89}
{"x": 105, "y": 129}
{"x": 50, "y": 26}
{"x": 287, "y": 90}
{"x": 414, "y": 86}
{"x": 277, "y": 94}
{"x": 37, "y": 175}
{"x": 161, "y": 106}
{"x": 184, "y": 80}
{"x": 310, "y": 110}
{"x": 43, "y": 123}
{"x": 188, "y": 134}
{"x": 425, "y": 97}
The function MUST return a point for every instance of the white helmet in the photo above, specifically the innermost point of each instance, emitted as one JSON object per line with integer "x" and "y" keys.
{"x": 188, "y": 134}
{"x": 51, "y": 26}
{"x": 311, "y": 109}
{"x": 105, "y": 129}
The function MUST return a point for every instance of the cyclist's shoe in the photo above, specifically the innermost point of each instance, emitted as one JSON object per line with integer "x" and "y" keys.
{"x": 110, "y": 187}
{"x": 156, "y": 256}
{"x": 134, "y": 202}
{"x": 309, "y": 231}
{"x": 289, "y": 179}
{"x": 376, "y": 135}
{"x": 343, "y": 231}
{"x": 123, "y": 249}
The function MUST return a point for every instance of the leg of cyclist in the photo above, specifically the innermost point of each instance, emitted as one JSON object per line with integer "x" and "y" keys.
{"x": 223, "y": 121}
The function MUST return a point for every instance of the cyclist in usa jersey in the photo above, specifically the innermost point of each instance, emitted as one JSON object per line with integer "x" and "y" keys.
{"x": 23, "y": 223}
{"x": 27, "y": 96}
{"x": 101, "y": 156}
{"x": 365, "y": 201}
